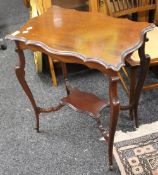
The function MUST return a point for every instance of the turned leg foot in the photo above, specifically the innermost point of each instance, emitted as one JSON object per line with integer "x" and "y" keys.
{"x": 136, "y": 116}
{"x": 37, "y": 123}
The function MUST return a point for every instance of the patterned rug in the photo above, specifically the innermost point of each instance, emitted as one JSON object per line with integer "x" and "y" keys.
{"x": 136, "y": 153}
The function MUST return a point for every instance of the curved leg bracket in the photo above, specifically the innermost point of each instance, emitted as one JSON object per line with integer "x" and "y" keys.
{"x": 20, "y": 73}
{"x": 51, "y": 109}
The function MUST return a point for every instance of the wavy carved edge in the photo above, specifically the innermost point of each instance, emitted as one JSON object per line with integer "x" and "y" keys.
{"x": 83, "y": 57}
{"x": 82, "y": 111}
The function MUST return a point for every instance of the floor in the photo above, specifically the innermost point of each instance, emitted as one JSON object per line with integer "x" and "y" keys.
{"x": 69, "y": 142}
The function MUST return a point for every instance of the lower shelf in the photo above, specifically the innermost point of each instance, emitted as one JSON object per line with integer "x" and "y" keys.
{"x": 86, "y": 102}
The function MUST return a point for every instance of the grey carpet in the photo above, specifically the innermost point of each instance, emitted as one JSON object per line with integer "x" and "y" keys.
{"x": 69, "y": 142}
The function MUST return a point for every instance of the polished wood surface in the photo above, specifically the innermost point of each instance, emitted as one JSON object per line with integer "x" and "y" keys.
{"x": 94, "y": 37}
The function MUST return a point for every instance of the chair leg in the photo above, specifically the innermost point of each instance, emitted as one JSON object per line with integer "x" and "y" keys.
{"x": 52, "y": 70}
{"x": 3, "y": 45}
{"x": 125, "y": 72}
{"x": 65, "y": 76}
{"x": 132, "y": 91}
{"x": 150, "y": 86}
{"x": 123, "y": 83}
{"x": 38, "y": 61}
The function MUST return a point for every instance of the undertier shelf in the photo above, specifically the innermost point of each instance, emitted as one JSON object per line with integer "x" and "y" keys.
{"x": 85, "y": 102}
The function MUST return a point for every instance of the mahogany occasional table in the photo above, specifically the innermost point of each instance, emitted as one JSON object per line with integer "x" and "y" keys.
{"x": 92, "y": 39}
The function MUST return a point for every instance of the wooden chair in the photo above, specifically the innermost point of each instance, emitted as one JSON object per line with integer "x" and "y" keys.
{"x": 98, "y": 6}
{"x": 38, "y": 7}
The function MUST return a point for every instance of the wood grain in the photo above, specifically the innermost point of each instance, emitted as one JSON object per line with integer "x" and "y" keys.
{"x": 91, "y": 37}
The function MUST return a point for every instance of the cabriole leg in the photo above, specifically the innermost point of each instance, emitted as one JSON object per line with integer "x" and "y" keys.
{"x": 144, "y": 64}
{"x": 20, "y": 73}
{"x": 114, "y": 112}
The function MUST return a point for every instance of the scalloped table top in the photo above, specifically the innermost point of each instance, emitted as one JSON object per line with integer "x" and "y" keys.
{"x": 88, "y": 36}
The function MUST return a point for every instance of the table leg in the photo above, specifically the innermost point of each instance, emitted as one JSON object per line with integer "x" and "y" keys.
{"x": 132, "y": 91}
{"x": 65, "y": 76}
{"x": 144, "y": 64}
{"x": 114, "y": 112}
{"x": 20, "y": 73}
